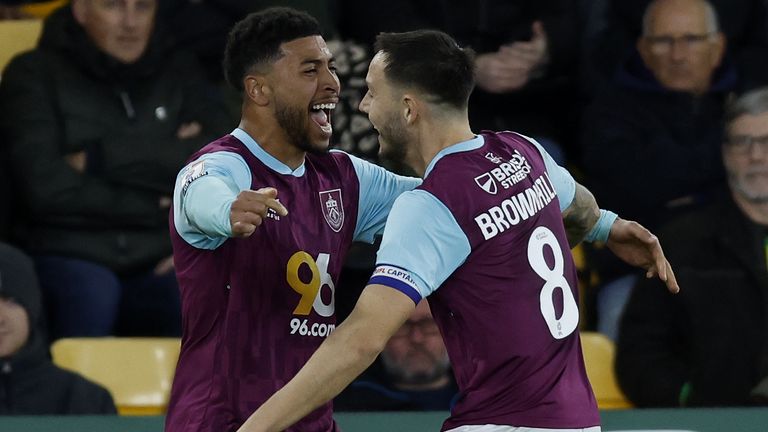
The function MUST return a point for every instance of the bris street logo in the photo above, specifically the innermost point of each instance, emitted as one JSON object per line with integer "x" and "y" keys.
{"x": 507, "y": 174}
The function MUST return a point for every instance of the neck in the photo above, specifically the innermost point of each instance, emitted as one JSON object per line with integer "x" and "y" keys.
{"x": 755, "y": 211}
{"x": 437, "y": 134}
{"x": 272, "y": 138}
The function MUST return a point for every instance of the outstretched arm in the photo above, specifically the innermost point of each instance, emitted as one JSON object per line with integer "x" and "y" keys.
{"x": 628, "y": 240}
{"x": 346, "y": 353}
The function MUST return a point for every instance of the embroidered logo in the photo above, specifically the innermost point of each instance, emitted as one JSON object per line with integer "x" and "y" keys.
{"x": 487, "y": 183}
{"x": 333, "y": 208}
{"x": 193, "y": 172}
{"x": 493, "y": 158}
{"x": 506, "y": 174}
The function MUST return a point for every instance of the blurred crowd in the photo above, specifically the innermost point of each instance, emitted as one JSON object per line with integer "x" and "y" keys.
{"x": 661, "y": 107}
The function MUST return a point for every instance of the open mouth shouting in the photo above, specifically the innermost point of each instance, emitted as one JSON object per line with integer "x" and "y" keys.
{"x": 321, "y": 115}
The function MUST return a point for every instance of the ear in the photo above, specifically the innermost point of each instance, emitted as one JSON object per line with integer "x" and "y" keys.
{"x": 644, "y": 50}
{"x": 79, "y": 11}
{"x": 256, "y": 89}
{"x": 718, "y": 50}
{"x": 410, "y": 109}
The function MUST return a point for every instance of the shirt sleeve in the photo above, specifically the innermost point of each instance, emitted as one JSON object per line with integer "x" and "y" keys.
{"x": 378, "y": 190}
{"x": 562, "y": 180}
{"x": 203, "y": 195}
{"x": 422, "y": 245}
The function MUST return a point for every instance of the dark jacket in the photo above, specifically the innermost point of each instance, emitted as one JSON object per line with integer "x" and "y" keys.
{"x": 373, "y": 391}
{"x": 712, "y": 334}
{"x": 6, "y": 194}
{"x": 67, "y": 96}
{"x": 29, "y": 382}
{"x": 648, "y": 149}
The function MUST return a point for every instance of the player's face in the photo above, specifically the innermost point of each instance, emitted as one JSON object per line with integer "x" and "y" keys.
{"x": 746, "y": 157}
{"x": 416, "y": 354}
{"x": 305, "y": 92}
{"x": 14, "y": 327}
{"x": 681, "y": 48}
{"x": 383, "y": 105}
{"x": 120, "y": 28}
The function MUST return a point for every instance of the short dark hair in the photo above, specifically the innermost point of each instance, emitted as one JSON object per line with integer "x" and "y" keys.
{"x": 256, "y": 39}
{"x": 431, "y": 61}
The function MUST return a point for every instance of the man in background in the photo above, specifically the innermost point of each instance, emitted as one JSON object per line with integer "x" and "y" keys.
{"x": 708, "y": 346}
{"x": 652, "y": 139}
{"x": 413, "y": 372}
{"x": 98, "y": 119}
{"x": 29, "y": 383}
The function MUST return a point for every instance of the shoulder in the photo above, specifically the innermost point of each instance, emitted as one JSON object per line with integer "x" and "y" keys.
{"x": 334, "y": 161}
{"x": 226, "y": 143}
{"x": 31, "y": 61}
{"x": 417, "y": 199}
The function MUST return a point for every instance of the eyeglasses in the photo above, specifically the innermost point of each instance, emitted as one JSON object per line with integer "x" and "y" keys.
{"x": 742, "y": 144}
{"x": 664, "y": 44}
{"x": 426, "y": 327}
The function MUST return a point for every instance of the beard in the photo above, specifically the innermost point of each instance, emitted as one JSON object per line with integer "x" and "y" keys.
{"x": 741, "y": 185}
{"x": 394, "y": 153}
{"x": 402, "y": 374}
{"x": 294, "y": 121}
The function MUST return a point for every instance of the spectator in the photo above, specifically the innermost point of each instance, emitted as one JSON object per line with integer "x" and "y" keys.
{"x": 707, "y": 346}
{"x": 99, "y": 118}
{"x": 413, "y": 372}
{"x": 29, "y": 382}
{"x": 743, "y": 22}
{"x": 651, "y": 140}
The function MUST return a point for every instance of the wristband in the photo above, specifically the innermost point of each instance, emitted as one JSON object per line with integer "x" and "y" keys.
{"x": 602, "y": 228}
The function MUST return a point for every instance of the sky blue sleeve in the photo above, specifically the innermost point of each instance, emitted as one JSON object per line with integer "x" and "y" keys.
{"x": 423, "y": 239}
{"x": 562, "y": 180}
{"x": 378, "y": 190}
{"x": 203, "y": 196}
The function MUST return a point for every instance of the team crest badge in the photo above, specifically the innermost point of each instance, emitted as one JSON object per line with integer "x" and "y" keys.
{"x": 333, "y": 208}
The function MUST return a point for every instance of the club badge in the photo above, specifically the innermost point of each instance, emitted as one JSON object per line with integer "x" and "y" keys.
{"x": 333, "y": 208}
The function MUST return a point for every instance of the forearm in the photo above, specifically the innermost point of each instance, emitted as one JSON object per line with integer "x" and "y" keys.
{"x": 341, "y": 358}
{"x": 581, "y": 216}
{"x": 82, "y": 197}
{"x": 351, "y": 348}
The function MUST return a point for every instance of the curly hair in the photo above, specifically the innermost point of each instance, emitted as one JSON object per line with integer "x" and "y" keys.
{"x": 255, "y": 41}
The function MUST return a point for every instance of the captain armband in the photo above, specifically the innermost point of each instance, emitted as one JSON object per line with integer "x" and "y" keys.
{"x": 602, "y": 228}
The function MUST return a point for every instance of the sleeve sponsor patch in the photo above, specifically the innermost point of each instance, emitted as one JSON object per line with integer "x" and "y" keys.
{"x": 398, "y": 279}
{"x": 192, "y": 173}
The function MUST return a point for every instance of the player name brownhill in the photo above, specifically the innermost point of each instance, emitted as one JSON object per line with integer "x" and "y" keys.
{"x": 516, "y": 208}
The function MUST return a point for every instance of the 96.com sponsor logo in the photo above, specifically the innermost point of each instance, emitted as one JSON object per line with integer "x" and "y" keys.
{"x": 304, "y": 328}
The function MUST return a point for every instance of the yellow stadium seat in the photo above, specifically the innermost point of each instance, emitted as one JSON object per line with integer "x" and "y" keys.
{"x": 17, "y": 36}
{"x": 138, "y": 372}
{"x": 599, "y": 354}
{"x": 42, "y": 9}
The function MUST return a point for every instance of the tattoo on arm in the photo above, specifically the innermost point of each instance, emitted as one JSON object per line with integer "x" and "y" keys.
{"x": 580, "y": 217}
